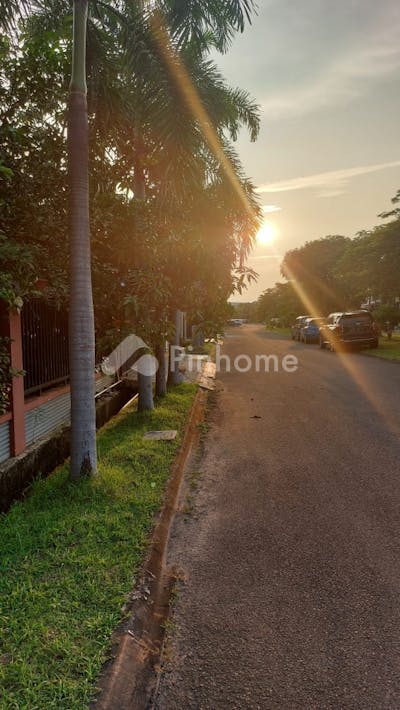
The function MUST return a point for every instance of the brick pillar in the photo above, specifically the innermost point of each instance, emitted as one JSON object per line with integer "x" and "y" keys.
{"x": 11, "y": 328}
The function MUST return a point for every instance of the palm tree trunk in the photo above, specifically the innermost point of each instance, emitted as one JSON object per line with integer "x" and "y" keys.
{"x": 174, "y": 377}
{"x": 161, "y": 376}
{"x": 145, "y": 382}
{"x": 81, "y": 317}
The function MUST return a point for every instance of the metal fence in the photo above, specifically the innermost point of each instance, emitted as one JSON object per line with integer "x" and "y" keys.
{"x": 44, "y": 346}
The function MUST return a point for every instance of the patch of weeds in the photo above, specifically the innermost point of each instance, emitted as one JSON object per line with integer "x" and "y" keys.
{"x": 194, "y": 480}
{"x": 203, "y": 429}
{"x": 188, "y": 508}
{"x": 174, "y": 595}
{"x": 168, "y": 625}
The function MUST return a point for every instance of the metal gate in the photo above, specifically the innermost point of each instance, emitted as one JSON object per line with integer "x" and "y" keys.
{"x": 44, "y": 346}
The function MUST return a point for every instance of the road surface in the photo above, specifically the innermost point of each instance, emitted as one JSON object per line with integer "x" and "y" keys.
{"x": 291, "y": 556}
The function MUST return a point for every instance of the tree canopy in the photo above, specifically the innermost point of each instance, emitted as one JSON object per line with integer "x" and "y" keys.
{"x": 128, "y": 80}
{"x": 157, "y": 104}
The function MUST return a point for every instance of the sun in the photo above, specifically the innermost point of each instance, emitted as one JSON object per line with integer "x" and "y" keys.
{"x": 267, "y": 234}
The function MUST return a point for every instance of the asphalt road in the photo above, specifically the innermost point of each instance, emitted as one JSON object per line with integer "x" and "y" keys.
{"x": 291, "y": 557}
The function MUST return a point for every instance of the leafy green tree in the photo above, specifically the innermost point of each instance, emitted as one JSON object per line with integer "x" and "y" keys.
{"x": 33, "y": 190}
{"x": 369, "y": 266}
{"x": 248, "y": 311}
{"x": 311, "y": 268}
{"x": 281, "y": 303}
{"x": 387, "y": 317}
{"x": 395, "y": 212}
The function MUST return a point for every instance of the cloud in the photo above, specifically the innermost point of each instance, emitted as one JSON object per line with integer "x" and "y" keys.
{"x": 332, "y": 193}
{"x": 332, "y": 183}
{"x": 346, "y": 77}
{"x": 271, "y": 208}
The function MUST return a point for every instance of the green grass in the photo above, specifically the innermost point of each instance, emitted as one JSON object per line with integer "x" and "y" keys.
{"x": 388, "y": 349}
{"x": 207, "y": 349}
{"x": 69, "y": 553}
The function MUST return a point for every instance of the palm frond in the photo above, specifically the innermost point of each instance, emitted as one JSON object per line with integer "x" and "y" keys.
{"x": 205, "y": 22}
{"x": 12, "y": 12}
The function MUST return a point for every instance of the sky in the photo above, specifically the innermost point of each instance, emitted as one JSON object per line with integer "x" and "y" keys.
{"x": 326, "y": 75}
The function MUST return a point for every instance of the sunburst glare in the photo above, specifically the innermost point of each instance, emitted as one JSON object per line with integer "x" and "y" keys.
{"x": 267, "y": 234}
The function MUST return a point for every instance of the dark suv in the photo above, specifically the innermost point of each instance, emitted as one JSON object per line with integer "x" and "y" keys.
{"x": 353, "y": 329}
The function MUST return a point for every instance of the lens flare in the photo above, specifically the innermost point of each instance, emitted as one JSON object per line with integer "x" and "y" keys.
{"x": 267, "y": 234}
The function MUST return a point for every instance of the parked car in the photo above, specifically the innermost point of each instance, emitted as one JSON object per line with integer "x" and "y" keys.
{"x": 353, "y": 329}
{"x": 309, "y": 331}
{"x": 297, "y": 326}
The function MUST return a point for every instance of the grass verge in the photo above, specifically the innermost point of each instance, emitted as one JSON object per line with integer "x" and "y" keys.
{"x": 207, "y": 349}
{"x": 388, "y": 349}
{"x": 68, "y": 556}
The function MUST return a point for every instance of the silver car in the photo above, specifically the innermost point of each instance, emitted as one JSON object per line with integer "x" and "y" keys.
{"x": 296, "y": 327}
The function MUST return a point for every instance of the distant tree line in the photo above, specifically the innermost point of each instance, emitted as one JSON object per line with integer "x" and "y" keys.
{"x": 338, "y": 273}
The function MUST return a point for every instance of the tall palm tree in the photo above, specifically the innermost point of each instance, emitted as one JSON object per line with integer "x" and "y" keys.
{"x": 81, "y": 329}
